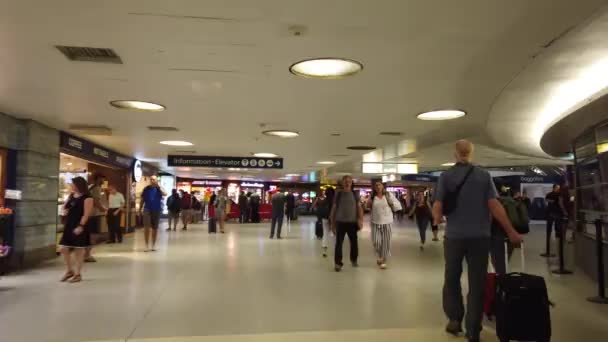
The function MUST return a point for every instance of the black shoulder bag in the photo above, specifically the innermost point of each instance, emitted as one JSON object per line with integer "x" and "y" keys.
{"x": 450, "y": 202}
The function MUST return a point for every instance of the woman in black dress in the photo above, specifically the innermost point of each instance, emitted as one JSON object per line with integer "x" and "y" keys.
{"x": 76, "y": 237}
{"x": 421, "y": 210}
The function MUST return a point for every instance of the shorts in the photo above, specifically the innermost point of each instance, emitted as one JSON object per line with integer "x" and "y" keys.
{"x": 151, "y": 219}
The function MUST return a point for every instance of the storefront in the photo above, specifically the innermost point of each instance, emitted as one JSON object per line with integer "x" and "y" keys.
{"x": 536, "y": 189}
{"x": 82, "y": 158}
{"x": 6, "y": 212}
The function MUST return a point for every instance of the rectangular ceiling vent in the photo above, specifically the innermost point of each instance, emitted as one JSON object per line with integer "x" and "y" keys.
{"x": 90, "y": 54}
{"x": 185, "y": 151}
{"x": 163, "y": 128}
{"x": 91, "y": 129}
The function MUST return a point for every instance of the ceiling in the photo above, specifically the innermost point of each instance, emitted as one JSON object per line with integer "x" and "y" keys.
{"x": 221, "y": 69}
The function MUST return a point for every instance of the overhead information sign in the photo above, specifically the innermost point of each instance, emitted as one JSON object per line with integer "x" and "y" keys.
{"x": 221, "y": 162}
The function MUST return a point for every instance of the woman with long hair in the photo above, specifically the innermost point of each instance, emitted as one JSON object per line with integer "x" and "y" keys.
{"x": 323, "y": 206}
{"x": 382, "y": 208}
{"x": 76, "y": 235}
{"x": 421, "y": 210}
{"x": 221, "y": 205}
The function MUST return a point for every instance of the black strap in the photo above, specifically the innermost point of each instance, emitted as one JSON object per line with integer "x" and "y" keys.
{"x": 464, "y": 180}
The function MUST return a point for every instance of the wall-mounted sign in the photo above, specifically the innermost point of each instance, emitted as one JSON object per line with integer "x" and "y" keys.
{"x": 13, "y": 194}
{"x": 207, "y": 182}
{"x": 88, "y": 150}
{"x": 137, "y": 171}
{"x": 420, "y": 178}
{"x": 251, "y": 185}
{"x": 221, "y": 162}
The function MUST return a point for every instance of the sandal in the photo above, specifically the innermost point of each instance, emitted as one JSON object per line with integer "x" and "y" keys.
{"x": 76, "y": 279}
{"x": 67, "y": 276}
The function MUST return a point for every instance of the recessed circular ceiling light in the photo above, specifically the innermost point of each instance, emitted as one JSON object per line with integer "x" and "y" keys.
{"x": 138, "y": 105}
{"x": 281, "y": 133}
{"x": 326, "y": 162}
{"x": 326, "y": 68}
{"x": 265, "y": 155}
{"x": 448, "y": 164}
{"x": 361, "y": 148}
{"x": 446, "y": 114}
{"x": 176, "y": 143}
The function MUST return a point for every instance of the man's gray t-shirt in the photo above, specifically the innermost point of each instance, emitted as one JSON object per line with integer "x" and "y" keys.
{"x": 346, "y": 210}
{"x": 471, "y": 218}
{"x": 278, "y": 204}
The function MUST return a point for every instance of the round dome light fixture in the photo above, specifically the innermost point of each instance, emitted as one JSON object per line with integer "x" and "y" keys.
{"x": 176, "y": 143}
{"x": 282, "y": 133}
{"x": 141, "y": 106}
{"x": 444, "y": 114}
{"x": 264, "y": 155}
{"x": 326, "y": 162}
{"x": 326, "y": 68}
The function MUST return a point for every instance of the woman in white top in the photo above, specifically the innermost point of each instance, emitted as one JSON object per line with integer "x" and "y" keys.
{"x": 382, "y": 206}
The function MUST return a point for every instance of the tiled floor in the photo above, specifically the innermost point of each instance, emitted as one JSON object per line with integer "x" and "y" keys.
{"x": 243, "y": 287}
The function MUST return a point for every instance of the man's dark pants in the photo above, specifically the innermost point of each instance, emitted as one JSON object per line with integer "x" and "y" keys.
{"x": 475, "y": 252}
{"x": 276, "y": 218}
{"x": 114, "y": 226}
{"x": 343, "y": 229}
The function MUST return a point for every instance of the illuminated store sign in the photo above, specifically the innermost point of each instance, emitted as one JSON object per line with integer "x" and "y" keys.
{"x": 252, "y": 185}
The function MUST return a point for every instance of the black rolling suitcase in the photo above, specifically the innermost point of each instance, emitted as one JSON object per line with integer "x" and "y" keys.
{"x": 319, "y": 229}
{"x": 212, "y": 225}
{"x": 522, "y": 307}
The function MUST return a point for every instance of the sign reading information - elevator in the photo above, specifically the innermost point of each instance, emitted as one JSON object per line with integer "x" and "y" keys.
{"x": 230, "y": 162}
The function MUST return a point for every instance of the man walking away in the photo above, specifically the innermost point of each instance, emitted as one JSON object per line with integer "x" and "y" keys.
{"x": 186, "y": 202}
{"x": 278, "y": 211}
{"x": 555, "y": 215}
{"x": 150, "y": 207}
{"x": 174, "y": 207}
{"x": 243, "y": 204}
{"x": 346, "y": 219}
{"x": 467, "y": 196}
{"x": 116, "y": 206}
{"x": 290, "y": 205}
{"x": 98, "y": 211}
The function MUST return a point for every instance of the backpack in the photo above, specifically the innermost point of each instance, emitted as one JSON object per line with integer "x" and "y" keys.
{"x": 172, "y": 204}
{"x": 517, "y": 213}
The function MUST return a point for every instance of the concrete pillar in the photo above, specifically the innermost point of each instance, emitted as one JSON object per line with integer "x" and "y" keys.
{"x": 37, "y": 170}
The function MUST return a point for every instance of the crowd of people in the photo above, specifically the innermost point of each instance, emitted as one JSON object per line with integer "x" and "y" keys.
{"x": 480, "y": 219}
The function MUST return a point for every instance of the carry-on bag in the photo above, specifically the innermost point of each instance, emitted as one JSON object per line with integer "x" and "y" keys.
{"x": 522, "y": 307}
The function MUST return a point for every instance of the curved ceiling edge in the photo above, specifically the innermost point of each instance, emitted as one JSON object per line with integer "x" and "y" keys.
{"x": 568, "y": 75}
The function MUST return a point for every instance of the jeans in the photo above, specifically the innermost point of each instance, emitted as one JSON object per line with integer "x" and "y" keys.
{"x": 423, "y": 223}
{"x": 243, "y": 217}
{"x": 475, "y": 252}
{"x": 276, "y": 219}
{"x": 173, "y": 219}
{"x": 114, "y": 226}
{"x": 343, "y": 229}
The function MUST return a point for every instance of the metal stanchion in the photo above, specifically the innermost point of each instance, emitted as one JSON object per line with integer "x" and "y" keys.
{"x": 562, "y": 236}
{"x": 547, "y": 253}
{"x": 601, "y": 279}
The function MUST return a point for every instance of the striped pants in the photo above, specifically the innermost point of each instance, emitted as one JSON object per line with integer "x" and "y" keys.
{"x": 381, "y": 238}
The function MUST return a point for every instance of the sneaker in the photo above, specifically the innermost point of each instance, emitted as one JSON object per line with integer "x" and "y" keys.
{"x": 355, "y": 264}
{"x": 435, "y": 239}
{"x": 90, "y": 259}
{"x": 338, "y": 268}
{"x": 271, "y": 237}
{"x": 325, "y": 254}
{"x": 454, "y": 328}
{"x": 153, "y": 249}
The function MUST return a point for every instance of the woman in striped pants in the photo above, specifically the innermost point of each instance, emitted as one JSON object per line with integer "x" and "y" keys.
{"x": 382, "y": 206}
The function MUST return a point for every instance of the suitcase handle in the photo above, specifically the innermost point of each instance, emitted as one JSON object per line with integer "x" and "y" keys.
{"x": 523, "y": 257}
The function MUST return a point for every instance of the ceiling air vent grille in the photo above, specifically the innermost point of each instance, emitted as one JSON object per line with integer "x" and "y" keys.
{"x": 392, "y": 134}
{"x": 90, "y": 54}
{"x": 91, "y": 129}
{"x": 163, "y": 128}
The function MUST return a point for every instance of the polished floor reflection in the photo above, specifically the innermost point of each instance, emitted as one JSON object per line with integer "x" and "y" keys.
{"x": 244, "y": 287}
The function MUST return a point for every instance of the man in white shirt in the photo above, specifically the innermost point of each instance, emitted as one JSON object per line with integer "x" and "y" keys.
{"x": 116, "y": 205}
